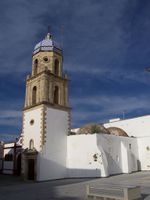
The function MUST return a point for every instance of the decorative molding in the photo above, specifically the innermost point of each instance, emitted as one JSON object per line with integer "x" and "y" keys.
{"x": 53, "y": 50}
{"x": 34, "y": 107}
{"x": 69, "y": 122}
{"x": 51, "y": 105}
{"x": 43, "y": 127}
{"x": 46, "y": 72}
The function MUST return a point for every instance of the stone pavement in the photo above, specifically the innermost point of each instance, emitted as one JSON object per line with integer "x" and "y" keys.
{"x": 14, "y": 188}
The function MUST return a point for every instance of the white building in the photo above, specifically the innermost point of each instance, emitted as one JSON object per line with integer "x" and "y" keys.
{"x": 46, "y": 114}
{"x": 10, "y": 157}
{"x": 138, "y": 127}
{"x": 49, "y": 152}
{"x": 100, "y": 155}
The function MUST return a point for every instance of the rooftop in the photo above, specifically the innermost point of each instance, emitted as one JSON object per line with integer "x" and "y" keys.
{"x": 48, "y": 44}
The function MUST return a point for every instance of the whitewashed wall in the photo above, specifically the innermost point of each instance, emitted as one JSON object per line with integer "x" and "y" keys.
{"x": 32, "y": 131}
{"x": 52, "y": 160}
{"x": 114, "y": 155}
{"x": 144, "y": 153}
{"x": 122, "y": 153}
{"x": 80, "y": 159}
{"x": 137, "y": 127}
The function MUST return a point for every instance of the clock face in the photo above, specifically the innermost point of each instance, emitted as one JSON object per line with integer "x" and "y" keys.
{"x": 46, "y": 59}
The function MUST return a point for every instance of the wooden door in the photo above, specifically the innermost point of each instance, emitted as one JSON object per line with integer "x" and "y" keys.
{"x": 31, "y": 169}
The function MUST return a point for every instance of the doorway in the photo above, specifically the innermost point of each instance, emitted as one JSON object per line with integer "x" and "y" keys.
{"x": 31, "y": 169}
{"x": 18, "y": 171}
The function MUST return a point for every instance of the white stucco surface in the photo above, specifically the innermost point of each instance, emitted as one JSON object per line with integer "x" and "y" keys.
{"x": 80, "y": 159}
{"x": 32, "y": 131}
{"x": 121, "y": 153}
{"x": 93, "y": 155}
{"x": 52, "y": 160}
{"x": 144, "y": 153}
{"x": 114, "y": 155}
{"x": 137, "y": 127}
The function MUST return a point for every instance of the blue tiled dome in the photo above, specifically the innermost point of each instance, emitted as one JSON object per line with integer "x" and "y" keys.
{"x": 47, "y": 45}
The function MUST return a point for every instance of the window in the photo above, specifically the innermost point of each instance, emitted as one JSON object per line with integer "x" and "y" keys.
{"x": 35, "y": 67}
{"x": 45, "y": 59}
{"x": 56, "y": 95}
{"x": 31, "y": 122}
{"x": 8, "y": 157}
{"x": 56, "y": 67}
{"x": 31, "y": 144}
{"x": 34, "y": 92}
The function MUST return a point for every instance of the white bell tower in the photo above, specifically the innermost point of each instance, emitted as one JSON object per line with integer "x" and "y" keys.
{"x": 45, "y": 114}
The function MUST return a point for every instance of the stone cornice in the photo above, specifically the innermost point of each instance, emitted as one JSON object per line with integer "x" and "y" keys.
{"x": 51, "y": 105}
{"x": 60, "y": 54}
{"x": 46, "y": 72}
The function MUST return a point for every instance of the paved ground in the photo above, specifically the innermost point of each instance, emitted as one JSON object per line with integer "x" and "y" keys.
{"x": 14, "y": 188}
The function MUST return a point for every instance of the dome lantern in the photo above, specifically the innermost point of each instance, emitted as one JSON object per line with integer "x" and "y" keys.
{"x": 48, "y": 44}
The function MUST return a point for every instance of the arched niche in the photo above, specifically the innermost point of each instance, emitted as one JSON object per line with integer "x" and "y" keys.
{"x": 56, "y": 95}
{"x": 35, "y": 68}
{"x": 34, "y": 95}
{"x": 56, "y": 67}
{"x": 31, "y": 144}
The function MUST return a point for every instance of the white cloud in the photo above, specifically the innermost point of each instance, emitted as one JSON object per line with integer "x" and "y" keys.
{"x": 10, "y": 114}
{"x": 96, "y": 43}
{"x": 106, "y": 107}
{"x": 10, "y": 118}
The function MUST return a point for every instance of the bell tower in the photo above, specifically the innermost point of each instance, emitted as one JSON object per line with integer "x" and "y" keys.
{"x": 47, "y": 84}
{"x": 46, "y": 114}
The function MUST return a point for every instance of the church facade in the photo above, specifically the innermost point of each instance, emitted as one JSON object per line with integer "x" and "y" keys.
{"x": 49, "y": 152}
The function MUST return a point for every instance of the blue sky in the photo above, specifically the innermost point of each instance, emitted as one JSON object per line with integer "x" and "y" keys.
{"x": 106, "y": 50}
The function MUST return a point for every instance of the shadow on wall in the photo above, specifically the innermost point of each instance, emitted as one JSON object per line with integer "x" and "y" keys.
{"x": 50, "y": 169}
{"x": 113, "y": 157}
{"x": 134, "y": 162}
{"x": 138, "y": 165}
{"x": 117, "y": 157}
{"x": 111, "y": 162}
